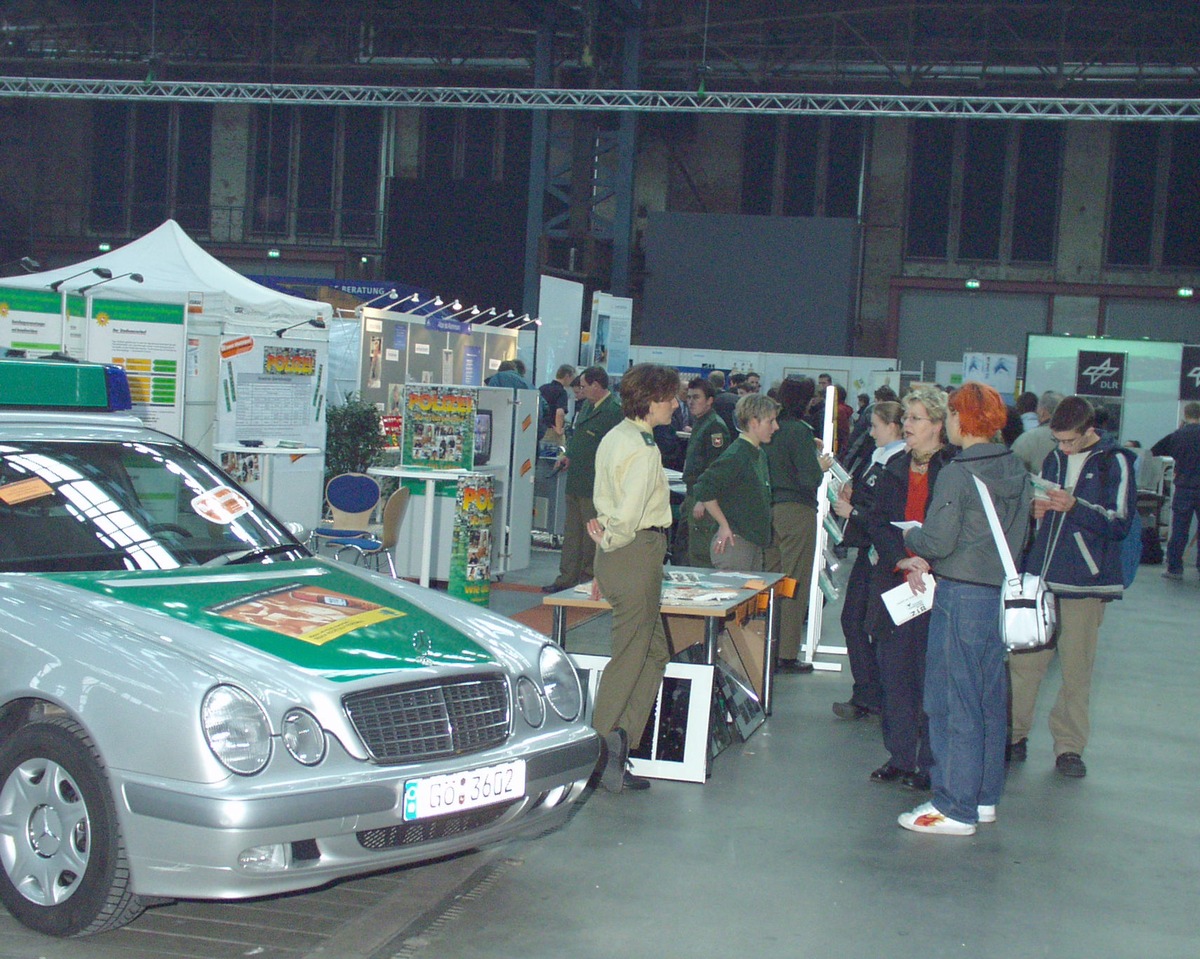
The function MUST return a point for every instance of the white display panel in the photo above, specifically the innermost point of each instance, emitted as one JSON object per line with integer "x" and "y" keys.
{"x": 1149, "y": 407}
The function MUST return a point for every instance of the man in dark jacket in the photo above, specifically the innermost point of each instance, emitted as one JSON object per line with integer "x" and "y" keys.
{"x": 579, "y": 460}
{"x": 1083, "y": 513}
{"x": 1184, "y": 446}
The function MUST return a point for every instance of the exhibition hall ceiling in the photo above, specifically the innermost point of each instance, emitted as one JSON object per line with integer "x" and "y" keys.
{"x": 1143, "y": 48}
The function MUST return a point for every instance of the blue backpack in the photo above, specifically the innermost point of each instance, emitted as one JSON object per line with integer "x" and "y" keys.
{"x": 1131, "y": 545}
{"x": 1131, "y": 550}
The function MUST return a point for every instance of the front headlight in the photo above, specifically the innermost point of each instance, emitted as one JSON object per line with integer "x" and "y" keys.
{"x": 529, "y": 701}
{"x": 303, "y": 736}
{"x": 563, "y": 691}
{"x": 236, "y": 729}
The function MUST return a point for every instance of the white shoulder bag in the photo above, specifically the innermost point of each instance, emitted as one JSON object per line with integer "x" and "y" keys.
{"x": 1028, "y": 611}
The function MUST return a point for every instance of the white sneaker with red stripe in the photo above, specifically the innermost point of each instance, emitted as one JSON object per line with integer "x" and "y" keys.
{"x": 927, "y": 818}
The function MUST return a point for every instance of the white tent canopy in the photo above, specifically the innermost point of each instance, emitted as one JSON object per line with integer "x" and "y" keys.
{"x": 177, "y": 270}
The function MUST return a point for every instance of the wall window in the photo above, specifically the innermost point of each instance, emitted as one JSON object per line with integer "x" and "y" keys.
{"x": 465, "y": 145}
{"x": 821, "y": 160}
{"x": 984, "y": 190}
{"x": 316, "y": 171}
{"x": 1154, "y": 200}
{"x": 1181, "y": 239}
{"x": 930, "y": 169}
{"x": 150, "y": 162}
{"x": 1131, "y": 208}
{"x": 1035, "y": 202}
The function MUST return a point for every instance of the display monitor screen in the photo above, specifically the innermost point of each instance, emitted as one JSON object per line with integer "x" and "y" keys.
{"x": 483, "y": 436}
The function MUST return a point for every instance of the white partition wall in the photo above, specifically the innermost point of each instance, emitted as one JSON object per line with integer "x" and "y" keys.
{"x": 1148, "y": 407}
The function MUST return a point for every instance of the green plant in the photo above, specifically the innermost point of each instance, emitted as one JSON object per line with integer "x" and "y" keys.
{"x": 353, "y": 437}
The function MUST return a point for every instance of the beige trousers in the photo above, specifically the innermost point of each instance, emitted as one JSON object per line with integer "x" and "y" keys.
{"x": 1079, "y": 631}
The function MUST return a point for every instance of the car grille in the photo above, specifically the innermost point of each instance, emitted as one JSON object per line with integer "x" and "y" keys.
{"x": 405, "y": 724}
{"x": 444, "y": 827}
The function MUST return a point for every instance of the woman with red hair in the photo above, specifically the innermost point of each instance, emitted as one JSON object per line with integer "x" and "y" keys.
{"x": 966, "y": 685}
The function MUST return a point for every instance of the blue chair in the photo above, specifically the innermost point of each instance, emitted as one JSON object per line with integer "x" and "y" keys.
{"x": 383, "y": 545}
{"x": 351, "y": 498}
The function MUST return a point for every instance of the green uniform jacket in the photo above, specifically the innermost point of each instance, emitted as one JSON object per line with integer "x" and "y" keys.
{"x": 740, "y": 483}
{"x": 792, "y": 456}
{"x": 590, "y": 427}
{"x": 709, "y": 439}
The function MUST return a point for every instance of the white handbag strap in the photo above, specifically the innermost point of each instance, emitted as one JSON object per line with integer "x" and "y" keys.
{"x": 1010, "y": 568}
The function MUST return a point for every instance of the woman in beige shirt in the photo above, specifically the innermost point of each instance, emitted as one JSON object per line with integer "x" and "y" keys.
{"x": 633, "y": 513}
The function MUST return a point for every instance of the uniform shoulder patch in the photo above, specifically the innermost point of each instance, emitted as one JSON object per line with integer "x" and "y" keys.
{"x": 718, "y": 440}
{"x": 647, "y": 439}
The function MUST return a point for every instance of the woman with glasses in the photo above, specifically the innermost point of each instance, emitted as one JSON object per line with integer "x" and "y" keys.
{"x": 903, "y": 493}
{"x": 966, "y": 686}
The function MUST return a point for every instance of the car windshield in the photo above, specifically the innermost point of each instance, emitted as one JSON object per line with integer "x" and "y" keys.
{"x": 78, "y": 506}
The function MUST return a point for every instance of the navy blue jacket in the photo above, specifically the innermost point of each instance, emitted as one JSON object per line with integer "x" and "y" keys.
{"x": 1085, "y": 542}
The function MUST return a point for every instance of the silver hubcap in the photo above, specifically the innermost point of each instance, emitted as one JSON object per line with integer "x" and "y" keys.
{"x": 45, "y": 833}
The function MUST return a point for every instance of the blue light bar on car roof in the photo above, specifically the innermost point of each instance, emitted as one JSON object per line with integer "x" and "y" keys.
{"x": 63, "y": 384}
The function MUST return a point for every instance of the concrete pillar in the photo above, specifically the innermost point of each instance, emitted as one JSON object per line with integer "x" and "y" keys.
{"x": 231, "y": 172}
{"x": 1087, "y": 149}
{"x": 882, "y": 232}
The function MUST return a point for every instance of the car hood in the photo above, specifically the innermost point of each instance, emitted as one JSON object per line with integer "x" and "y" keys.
{"x": 317, "y": 617}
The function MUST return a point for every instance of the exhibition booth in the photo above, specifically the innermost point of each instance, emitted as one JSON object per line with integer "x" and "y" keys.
{"x": 1140, "y": 383}
{"x": 425, "y": 371}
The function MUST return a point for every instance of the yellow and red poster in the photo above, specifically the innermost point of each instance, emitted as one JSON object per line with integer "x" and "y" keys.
{"x": 439, "y": 427}
{"x": 471, "y": 554}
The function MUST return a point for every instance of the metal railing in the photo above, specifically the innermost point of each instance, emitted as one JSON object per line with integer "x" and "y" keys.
{"x": 106, "y": 220}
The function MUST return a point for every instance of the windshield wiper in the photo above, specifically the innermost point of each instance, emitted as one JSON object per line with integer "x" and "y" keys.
{"x": 240, "y": 556}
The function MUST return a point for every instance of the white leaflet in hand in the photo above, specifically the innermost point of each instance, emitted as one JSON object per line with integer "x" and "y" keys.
{"x": 907, "y": 524}
{"x": 903, "y": 604}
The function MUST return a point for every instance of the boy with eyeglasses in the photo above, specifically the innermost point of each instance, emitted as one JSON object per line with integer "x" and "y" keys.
{"x": 1082, "y": 520}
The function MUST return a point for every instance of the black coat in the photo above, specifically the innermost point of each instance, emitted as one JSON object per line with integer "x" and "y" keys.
{"x": 862, "y": 498}
{"x": 891, "y": 497}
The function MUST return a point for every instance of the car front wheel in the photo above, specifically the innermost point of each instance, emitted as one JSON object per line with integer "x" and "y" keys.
{"x": 64, "y": 866}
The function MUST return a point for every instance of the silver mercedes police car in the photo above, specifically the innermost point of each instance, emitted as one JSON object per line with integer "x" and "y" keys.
{"x": 192, "y": 705}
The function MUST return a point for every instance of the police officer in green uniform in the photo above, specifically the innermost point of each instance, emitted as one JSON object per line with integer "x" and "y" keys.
{"x": 591, "y": 424}
{"x": 709, "y": 439}
{"x": 736, "y": 489}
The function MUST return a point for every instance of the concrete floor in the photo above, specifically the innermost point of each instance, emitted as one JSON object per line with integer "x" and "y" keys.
{"x": 789, "y": 851}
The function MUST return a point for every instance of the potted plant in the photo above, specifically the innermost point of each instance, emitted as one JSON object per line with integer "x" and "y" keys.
{"x": 353, "y": 437}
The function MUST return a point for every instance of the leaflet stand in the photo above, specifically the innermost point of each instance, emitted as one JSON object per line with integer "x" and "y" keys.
{"x": 816, "y": 607}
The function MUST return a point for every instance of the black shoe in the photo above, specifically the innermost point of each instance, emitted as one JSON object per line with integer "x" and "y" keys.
{"x": 636, "y": 783}
{"x": 1071, "y": 765}
{"x": 850, "y": 710}
{"x": 794, "y": 666}
{"x": 887, "y": 773}
{"x": 916, "y": 781}
{"x": 552, "y": 588}
{"x": 613, "y": 777}
{"x": 1015, "y": 752}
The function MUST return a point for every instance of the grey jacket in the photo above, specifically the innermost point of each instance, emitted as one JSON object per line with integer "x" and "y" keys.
{"x": 956, "y": 538}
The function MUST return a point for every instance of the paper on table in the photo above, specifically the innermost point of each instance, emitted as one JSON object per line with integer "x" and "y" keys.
{"x": 903, "y": 604}
{"x": 906, "y": 524}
